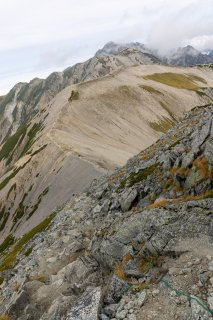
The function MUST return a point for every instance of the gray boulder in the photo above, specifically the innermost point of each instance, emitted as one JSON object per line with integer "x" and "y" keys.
{"x": 88, "y": 306}
{"x": 127, "y": 198}
{"x": 18, "y": 303}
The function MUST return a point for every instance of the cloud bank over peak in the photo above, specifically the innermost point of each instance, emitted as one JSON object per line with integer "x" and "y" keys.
{"x": 37, "y": 36}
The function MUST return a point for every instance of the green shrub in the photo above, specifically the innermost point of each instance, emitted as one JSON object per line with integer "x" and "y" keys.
{"x": 28, "y": 252}
{"x": 12, "y": 175}
{"x": 6, "y": 243}
{"x": 141, "y": 175}
{"x": 12, "y": 142}
{"x": 31, "y": 136}
{"x": 74, "y": 96}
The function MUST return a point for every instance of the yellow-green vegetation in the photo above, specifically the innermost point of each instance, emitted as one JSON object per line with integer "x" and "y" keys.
{"x": 128, "y": 92}
{"x": 39, "y": 277}
{"x": 166, "y": 107}
{"x": 4, "y": 215}
{"x": 12, "y": 175}
{"x": 139, "y": 287}
{"x": 159, "y": 204}
{"x": 168, "y": 184}
{"x": 6, "y": 243}
{"x": 175, "y": 143}
{"x": 176, "y": 80}
{"x": 10, "y": 258}
{"x": 13, "y": 187}
{"x": 35, "y": 207}
{"x": 39, "y": 150}
{"x": 31, "y": 137}
{"x": 5, "y": 317}
{"x": 145, "y": 264}
{"x": 20, "y": 210}
{"x": 28, "y": 251}
{"x": 197, "y": 78}
{"x": 11, "y": 143}
{"x": 203, "y": 95}
{"x": 74, "y": 96}
{"x": 141, "y": 175}
{"x": 202, "y": 164}
{"x": 163, "y": 125}
{"x": 120, "y": 271}
{"x": 137, "y": 177}
{"x": 1, "y": 280}
{"x": 183, "y": 172}
{"x": 165, "y": 202}
{"x": 150, "y": 89}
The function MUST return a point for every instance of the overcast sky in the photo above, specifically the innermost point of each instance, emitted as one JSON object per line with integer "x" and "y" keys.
{"x": 41, "y": 36}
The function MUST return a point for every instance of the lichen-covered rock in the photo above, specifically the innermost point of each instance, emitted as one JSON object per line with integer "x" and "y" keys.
{"x": 87, "y": 306}
{"x": 127, "y": 198}
{"x": 18, "y": 303}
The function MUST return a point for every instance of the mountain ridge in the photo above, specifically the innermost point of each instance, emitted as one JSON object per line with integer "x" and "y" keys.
{"x": 119, "y": 123}
{"x": 120, "y": 249}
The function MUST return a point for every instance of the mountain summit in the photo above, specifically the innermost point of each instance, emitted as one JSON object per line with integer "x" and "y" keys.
{"x": 188, "y": 56}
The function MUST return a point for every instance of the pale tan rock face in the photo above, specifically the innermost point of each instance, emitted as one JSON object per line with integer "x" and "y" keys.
{"x": 113, "y": 118}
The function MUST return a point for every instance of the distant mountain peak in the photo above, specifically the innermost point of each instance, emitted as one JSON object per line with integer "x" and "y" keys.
{"x": 113, "y": 48}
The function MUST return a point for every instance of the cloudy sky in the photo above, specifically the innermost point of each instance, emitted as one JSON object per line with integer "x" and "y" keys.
{"x": 41, "y": 36}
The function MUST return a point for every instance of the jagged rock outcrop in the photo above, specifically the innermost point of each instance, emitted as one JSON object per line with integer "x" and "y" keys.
{"x": 150, "y": 259}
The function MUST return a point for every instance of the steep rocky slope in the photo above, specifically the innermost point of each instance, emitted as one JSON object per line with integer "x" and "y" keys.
{"x": 88, "y": 128}
{"x": 136, "y": 245}
{"x": 26, "y": 99}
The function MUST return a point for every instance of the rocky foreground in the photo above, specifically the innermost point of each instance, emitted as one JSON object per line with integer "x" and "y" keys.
{"x": 136, "y": 245}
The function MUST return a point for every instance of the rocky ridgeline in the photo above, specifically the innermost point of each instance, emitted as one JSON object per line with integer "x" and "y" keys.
{"x": 136, "y": 245}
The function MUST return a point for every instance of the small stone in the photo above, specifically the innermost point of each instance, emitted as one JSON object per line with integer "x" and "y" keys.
{"x": 87, "y": 306}
{"x": 197, "y": 311}
{"x": 211, "y": 280}
{"x": 103, "y": 317}
{"x": 121, "y": 315}
{"x": 183, "y": 299}
{"x": 52, "y": 260}
{"x": 111, "y": 309}
{"x": 141, "y": 298}
{"x": 189, "y": 264}
{"x": 209, "y": 258}
{"x": 185, "y": 270}
{"x": 210, "y": 266}
{"x": 210, "y": 302}
{"x": 130, "y": 305}
{"x": 203, "y": 277}
{"x": 132, "y": 317}
{"x": 173, "y": 294}
{"x": 173, "y": 271}
{"x": 155, "y": 292}
{"x": 197, "y": 261}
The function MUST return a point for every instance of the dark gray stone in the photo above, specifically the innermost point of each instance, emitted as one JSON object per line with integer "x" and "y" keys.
{"x": 87, "y": 306}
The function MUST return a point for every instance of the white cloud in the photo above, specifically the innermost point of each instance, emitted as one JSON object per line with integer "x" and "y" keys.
{"x": 50, "y": 33}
